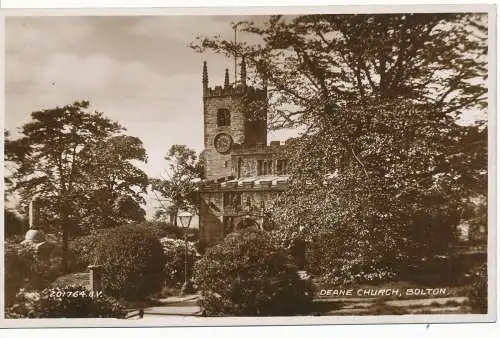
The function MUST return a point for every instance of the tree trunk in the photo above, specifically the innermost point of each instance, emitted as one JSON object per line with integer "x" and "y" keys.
{"x": 176, "y": 212}
{"x": 65, "y": 248}
{"x": 65, "y": 226}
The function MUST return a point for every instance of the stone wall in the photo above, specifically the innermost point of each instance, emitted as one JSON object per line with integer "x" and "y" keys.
{"x": 210, "y": 226}
{"x": 242, "y": 131}
{"x": 217, "y": 219}
{"x": 244, "y": 162}
{"x": 218, "y": 165}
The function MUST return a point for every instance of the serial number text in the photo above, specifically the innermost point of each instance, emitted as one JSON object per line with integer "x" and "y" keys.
{"x": 75, "y": 294}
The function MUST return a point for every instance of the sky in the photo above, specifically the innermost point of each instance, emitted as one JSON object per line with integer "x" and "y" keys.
{"x": 138, "y": 71}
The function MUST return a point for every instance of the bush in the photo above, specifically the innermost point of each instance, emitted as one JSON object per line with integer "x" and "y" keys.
{"x": 441, "y": 270}
{"x": 174, "y": 251}
{"x": 322, "y": 261}
{"x": 24, "y": 269}
{"x": 76, "y": 303}
{"x": 163, "y": 229}
{"x": 13, "y": 224}
{"x": 83, "y": 250}
{"x": 201, "y": 246}
{"x": 133, "y": 262}
{"x": 247, "y": 275}
{"x": 478, "y": 291}
{"x": 193, "y": 234}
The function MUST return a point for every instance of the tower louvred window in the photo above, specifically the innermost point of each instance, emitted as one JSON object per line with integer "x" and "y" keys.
{"x": 223, "y": 117}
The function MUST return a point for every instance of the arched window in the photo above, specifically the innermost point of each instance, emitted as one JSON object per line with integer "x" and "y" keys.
{"x": 223, "y": 117}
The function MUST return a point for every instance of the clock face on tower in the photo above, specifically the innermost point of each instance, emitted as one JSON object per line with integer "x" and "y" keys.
{"x": 223, "y": 143}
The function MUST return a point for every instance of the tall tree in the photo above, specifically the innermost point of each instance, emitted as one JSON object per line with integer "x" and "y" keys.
{"x": 385, "y": 162}
{"x": 179, "y": 189}
{"x": 53, "y": 161}
{"x": 114, "y": 186}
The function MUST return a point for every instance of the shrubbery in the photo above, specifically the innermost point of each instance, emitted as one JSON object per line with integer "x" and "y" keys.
{"x": 248, "y": 275}
{"x": 79, "y": 304}
{"x": 133, "y": 262}
{"x": 162, "y": 229}
{"x": 201, "y": 246}
{"x": 25, "y": 270}
{"x": 322, "y": 262}
{"x": 83, "y": 250}
{"x": 13, "y": 224}
{"x": 174, "y": 251}
{"x": 478, "y": 291}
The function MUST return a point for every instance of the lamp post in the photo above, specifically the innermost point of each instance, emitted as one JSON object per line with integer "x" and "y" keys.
{"x": 185, "y": 220}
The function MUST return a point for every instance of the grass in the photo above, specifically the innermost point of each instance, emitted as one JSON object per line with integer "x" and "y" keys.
{"x": 78, "y": 278}
{"x": 384, "y": 309}
{"x": 168, "y": 291}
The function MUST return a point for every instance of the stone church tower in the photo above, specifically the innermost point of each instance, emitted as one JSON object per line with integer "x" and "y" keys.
{"x": 235, "y": 117}
{"x": 243, "y": 174}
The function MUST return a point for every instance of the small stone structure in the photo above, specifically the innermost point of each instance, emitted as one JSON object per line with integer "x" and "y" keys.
{"x": 34, "y": 236}
{"x": 95, "y": 277}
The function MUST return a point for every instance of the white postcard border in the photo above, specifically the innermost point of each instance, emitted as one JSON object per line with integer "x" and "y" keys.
{"x": 294, "y": 320}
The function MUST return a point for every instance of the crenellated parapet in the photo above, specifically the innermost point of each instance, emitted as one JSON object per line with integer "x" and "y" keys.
{"x": 275, "y": 147}
{"x": 234, "y": 90}
{"x": 261, "y": 183}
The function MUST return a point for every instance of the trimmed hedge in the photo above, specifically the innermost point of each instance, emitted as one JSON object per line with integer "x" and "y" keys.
{"x": 248, "y": 275}
{"x": 162, "y": 229}
{"x": 83, "y": 250}
{"x": 133, "y": 262}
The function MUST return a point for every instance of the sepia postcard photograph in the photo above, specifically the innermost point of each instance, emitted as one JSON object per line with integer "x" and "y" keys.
{"x": 204, "y": 167}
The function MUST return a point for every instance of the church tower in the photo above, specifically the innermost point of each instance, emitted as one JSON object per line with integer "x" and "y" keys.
{"x": 235, "y": 117}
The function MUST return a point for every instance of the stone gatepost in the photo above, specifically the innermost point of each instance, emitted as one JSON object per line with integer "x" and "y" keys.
{"x": 95, "y": 277}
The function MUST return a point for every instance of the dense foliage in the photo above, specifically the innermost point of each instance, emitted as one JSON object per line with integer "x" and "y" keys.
{"x": 163, "y": 229}
{"x": 248, "y": 275}
{"x": 77, "y": 303}
{"x": 83, "y": 250}
{"x": 24, "y": 269}
{"x": 392, "y": 193}
{"x": 13, "y": 224}
{"x": 177, "y": 191}
{"x": 175, "y": 256}
{"x": 478, "y": 291}
{"x": 133, "y": 262}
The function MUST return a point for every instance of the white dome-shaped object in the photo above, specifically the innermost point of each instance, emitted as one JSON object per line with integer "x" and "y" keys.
{"x": 34, "y": 236}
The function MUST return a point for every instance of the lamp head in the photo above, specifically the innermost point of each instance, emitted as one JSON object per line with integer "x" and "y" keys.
{"x": 185, "y": 219}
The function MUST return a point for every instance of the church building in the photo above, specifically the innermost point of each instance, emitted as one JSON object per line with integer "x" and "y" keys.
{"x": 243, "y": 172}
